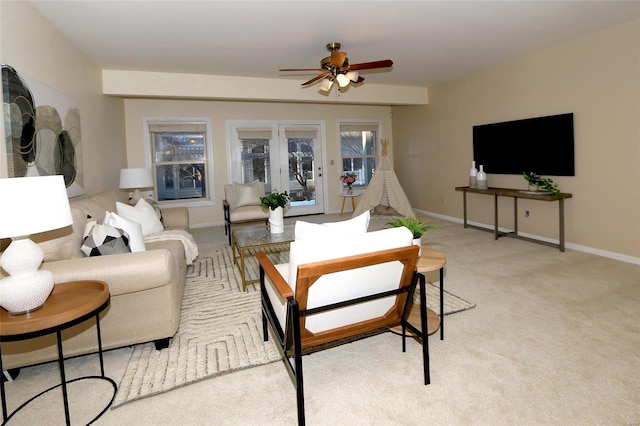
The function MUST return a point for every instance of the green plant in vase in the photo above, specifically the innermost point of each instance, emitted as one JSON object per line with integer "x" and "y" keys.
{"x": 275, "y": 199}
{"x": 541, "y": 183}
{"x": 413, "y": 224}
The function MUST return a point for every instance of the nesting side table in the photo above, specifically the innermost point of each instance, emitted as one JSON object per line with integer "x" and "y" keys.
{"x": 69, "y": 304}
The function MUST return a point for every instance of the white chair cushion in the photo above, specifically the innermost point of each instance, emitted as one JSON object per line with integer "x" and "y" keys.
{"x": 241, "y": 214}
{"x": 348, "y": 284}
{"x": 314, "y": 231}
{"x": 247, "y": 194}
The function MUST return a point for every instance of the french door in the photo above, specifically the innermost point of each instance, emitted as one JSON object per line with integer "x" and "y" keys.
{"x": 286, "y": 156}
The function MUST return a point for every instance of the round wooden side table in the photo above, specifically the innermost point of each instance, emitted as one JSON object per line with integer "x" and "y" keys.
{"x": 433, "y": 260}
{"x": 69, "y": 304}
{"x": 352, "y": 196}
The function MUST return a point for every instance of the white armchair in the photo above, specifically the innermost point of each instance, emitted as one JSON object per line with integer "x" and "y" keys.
{"x": 338, "y": 287}
{"x": 242, "y": 204}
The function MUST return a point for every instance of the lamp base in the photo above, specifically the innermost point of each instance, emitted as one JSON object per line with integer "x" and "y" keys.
{"x": 24, "y": 293}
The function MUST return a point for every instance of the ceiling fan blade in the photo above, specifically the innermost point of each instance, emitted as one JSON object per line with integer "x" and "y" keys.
{"x": 301, "y": 69}
{"x": 337, "y": 58}
{"x": 316, "y": 78}
{"x": 371, "y": 65}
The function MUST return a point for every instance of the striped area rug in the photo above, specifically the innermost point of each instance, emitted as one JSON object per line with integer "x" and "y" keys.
{"x": 220, "y": 332}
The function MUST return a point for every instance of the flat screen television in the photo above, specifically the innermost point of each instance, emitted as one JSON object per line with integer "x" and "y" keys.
{"x": 543, "y": 145}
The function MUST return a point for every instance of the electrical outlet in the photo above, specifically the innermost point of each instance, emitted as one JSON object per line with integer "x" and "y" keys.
{"x": 526, "y": 213}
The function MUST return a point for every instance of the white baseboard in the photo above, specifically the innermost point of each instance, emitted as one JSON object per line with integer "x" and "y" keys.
{"x": 572, "y": 246}
{"x": 206, "y": 225}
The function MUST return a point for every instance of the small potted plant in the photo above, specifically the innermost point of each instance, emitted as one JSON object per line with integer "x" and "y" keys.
{"x": 275, "y": 202}
{"x": 416, "y": 226}
{"x": 539, "y": 183}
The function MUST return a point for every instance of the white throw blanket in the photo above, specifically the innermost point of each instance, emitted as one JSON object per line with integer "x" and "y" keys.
{"x": 190, "y": 246}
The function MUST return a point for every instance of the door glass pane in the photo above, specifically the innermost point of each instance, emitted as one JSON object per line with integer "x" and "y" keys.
{"x": 301, "y": 171}
{"x": 255, "y": 161}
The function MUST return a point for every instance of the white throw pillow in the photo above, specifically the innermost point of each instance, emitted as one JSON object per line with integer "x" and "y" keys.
{"x": 314, "y": 231}
{"x": 134, "y": 229}
{"x": 247, "y": 194}
{"x": 143, "y": 214}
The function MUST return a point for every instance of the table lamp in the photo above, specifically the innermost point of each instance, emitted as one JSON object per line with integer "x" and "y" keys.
{"x": 136, "y": 179}
{"x": 30, "y": 205}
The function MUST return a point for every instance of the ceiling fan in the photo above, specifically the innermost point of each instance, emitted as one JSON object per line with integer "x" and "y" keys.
{"x": 336, "y": 68}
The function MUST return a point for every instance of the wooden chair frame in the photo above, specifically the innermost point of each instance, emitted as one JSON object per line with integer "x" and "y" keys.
{"x": 295, "y": 337}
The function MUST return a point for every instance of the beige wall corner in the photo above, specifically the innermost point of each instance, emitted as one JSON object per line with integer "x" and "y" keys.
{"x": 597, "y": 78}
{"x": 33, "y": 46}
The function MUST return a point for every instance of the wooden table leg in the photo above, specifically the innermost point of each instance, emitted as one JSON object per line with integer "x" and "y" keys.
{"x": 515, "y": 215}
{"x": 561, "y": 212}
{"x": 342, "y": 208}
{"x": 495, "y": 215}
{"x": 464, "y": 207}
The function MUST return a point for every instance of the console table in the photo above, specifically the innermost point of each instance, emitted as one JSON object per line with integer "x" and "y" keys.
{"x": 515, "y": 194}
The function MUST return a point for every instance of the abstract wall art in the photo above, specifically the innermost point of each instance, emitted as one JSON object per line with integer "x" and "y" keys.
{"x": 42, "y": 130}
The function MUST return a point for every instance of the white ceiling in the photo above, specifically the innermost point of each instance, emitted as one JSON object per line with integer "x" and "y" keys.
{"x": 428, "y": 41}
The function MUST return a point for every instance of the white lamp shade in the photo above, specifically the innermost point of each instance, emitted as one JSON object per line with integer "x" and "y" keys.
{"x": 33, "y": 204}
{"x": 353, "y": 76}
{"x": 343, "y": 81}
{"x": 136, "y": 178}
{"x": 326, "y": 84}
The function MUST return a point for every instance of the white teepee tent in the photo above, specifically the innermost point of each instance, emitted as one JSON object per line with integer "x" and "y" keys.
{"x": 384, "y": 190}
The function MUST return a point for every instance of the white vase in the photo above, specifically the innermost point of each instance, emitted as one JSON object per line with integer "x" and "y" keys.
{"x": 276, "y": 220}
{"x": 481, "y": 179}
{"x": 473, "y": 175}
{"x": 418, "y": 242}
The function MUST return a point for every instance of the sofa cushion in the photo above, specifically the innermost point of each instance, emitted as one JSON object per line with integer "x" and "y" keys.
{"x": 133, "y": 229}
{"x": 143, "y": 214}
{"x": 63, "y": 243}
{"x": 102, "y": 239}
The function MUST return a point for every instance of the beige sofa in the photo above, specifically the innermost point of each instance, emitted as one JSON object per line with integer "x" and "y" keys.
{"x": 146, "y": 287}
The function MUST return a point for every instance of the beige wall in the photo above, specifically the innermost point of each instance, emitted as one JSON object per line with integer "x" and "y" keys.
{"x": 31, "y": 45}
{"x": 597, "y": 77}
{"x": 220, "y": 111}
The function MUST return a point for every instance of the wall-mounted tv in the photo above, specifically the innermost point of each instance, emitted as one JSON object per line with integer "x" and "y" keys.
{"x": 543, "y": 145}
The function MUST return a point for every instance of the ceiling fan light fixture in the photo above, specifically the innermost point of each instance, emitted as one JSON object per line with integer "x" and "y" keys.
{"x": 353, "y": 76}
{"x": 326, "y": 84}
{"x": 343, "y": 80}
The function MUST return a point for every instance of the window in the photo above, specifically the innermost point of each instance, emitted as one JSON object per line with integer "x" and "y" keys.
{"x": 180, "y": 160}
{"x": 358, "y": 145}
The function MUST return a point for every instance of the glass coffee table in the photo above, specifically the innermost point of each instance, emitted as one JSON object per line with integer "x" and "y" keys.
{"x": 247, "y": 241}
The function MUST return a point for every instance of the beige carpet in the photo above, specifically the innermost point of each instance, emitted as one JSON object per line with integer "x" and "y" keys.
{"x": 553, "y": 341}
{"x": 220, "y": 330}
